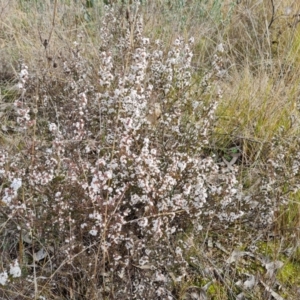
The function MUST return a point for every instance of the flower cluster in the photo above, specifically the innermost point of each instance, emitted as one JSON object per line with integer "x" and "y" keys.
{"x": 14, "y": 272}
{"x": 22, "y": 109}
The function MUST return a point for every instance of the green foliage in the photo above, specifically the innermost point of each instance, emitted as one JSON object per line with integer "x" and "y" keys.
{"x": 217, "y": 291}
{"x": 289, "y": 274}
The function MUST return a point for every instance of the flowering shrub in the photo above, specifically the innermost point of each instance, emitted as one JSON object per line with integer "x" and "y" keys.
{"x": 113, "y": 166}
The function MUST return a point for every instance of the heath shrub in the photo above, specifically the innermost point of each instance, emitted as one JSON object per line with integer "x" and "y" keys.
{"x": 112, "y": 166}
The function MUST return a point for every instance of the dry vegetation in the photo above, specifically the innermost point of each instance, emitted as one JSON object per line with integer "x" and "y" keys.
{"x": 149, "y": 149}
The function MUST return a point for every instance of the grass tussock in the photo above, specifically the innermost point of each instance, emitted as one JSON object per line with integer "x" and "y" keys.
{"x": 149, "y": 149}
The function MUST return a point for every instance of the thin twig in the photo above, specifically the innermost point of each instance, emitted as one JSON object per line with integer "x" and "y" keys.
{"x": 156, "y": 215}
{"x": 273, "y": 14}
{"x": 46, "y": 42}
{"x": 53, "y": 21}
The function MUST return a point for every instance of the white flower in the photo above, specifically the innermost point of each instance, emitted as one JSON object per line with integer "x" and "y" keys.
{"x": 83, "y": 225}
{"x": 15, "y": 270}
{"x": 177, "y": 42}
{"x": 145, "y": 41}
{"x": 220, "y": 48}
{"x": 153, "y": 151}
{"x": 93, "y": 232}
{"x": 192, "y": 40}
{"x": 16, "y": 184}
{"x": 3, "y": 278}
{"x": 143, "y": 222}
{"x": 178, "y": 251}
{"x": 181, "y": 165}
{"x": 52, "y": 127}
{"x": 160, "y": 277}
{"x": 83, "y": 99}
{"x": 9, "y": 194}
{"x": 108, "y": 174}
{"x": 24, "y": 72}
{"x": 143, "y": 260}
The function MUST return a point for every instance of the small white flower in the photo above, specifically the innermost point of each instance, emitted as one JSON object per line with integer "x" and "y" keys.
{"x": 143, "y": 260}
{"x": 52, "y": 127}
{"x": 178, "y": 251}
{"x": 15, "y": 270}
{"x": 83, "y": 99}
{"x": 199, "y": 227}
{"x": 143, "y": 222}
{"x": 24, "y": 73}
{"x": 9, "y": 194}
{"x": 93, "y": 232}
{"x": 160, "y": 277}
{"x": 145, "y": 41}
{"x": 192, "y": 40}
{"x": 177, "y": 42}
{"x": 220, "y": 48}
{"x": 16, "y": 184}
{"x": 181, "y": 165}
{"x": 153, "y": 151}
{"x": 3, "y": 278}
{"x": 108, "y": 174}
